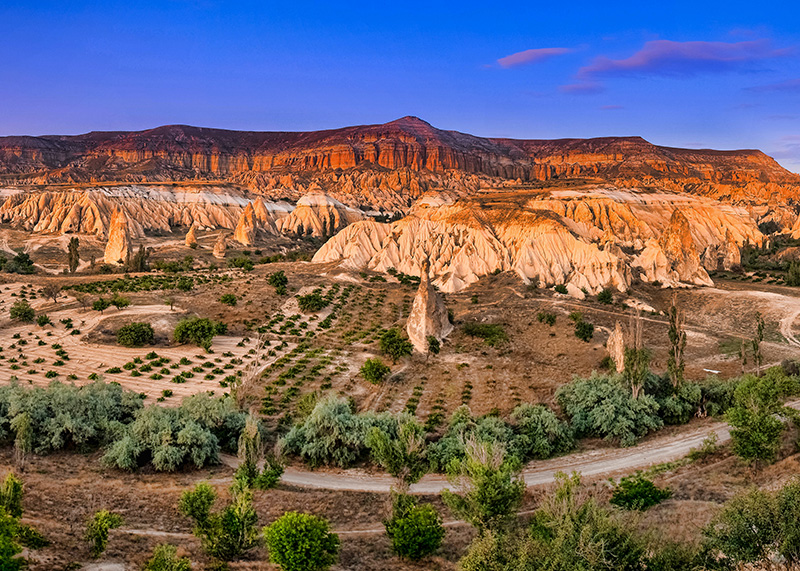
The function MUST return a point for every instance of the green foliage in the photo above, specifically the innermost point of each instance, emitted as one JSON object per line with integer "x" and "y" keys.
{"x": 97, "y": 530}
{"x": 312, "y": 302}
{"x": 22, "y": 311}
{"x": 584, "y": 330}
{"x": 793, "y": 274}
{"x": 19, "y": 264}
{"x": 278, "y": 279}
{"x": 227, "y": 534}
{"x": 242, "y": 262}
{"x": 434, "y": 345}
{"x": 374, "y": 371}
{"x": 602, "y": 406}
{"x": 756, "y": 431}
{"x": 120, "y": 301}
{"x": 301, "y": 542}
{"x": 546, "y": 317}
{"x": 540, "y": 433}
{"x": 677, "y": 342}
{"x": 394, "y": 345}
{"x": 11, "y": 495}
{"x": 462, "y": 428}
{"x": 170, "y": 438}
{"x": 9, "y": 543}
{"x": 334, "y": 434}
{"x": 638, "y": 493}
{"x": 493, "y": 334}
{"x": 605, "y": 296}
{"x": 228, "y": 299}
{"x": 198, "y": 330}
{"x": 560, "y": 288}
{"x": 758, "y": 527}
{"x": 136, "y": 334}
{"x": 493, "y": 493}
{"x": 42, "y": 320}
{"x": 101, "y": 304}
{"x": 415, "y": 531}
{"x": 401, "y": 451}
{"x": 165, "y": 558}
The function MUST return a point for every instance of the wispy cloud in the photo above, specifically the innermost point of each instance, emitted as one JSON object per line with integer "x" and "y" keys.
{"x": 788, "y": 148}
{"x": 531, "y": 56}
{"x": 667, "y": 58}
{"x": 790, "y": 85}
{"x": 582, "y": 88}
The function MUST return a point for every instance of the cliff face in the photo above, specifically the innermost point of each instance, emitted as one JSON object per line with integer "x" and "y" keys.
{"x": 409, "y": 145}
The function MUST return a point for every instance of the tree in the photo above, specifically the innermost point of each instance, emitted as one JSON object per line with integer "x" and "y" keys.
{"x": 101, "y": 304}
{"x": 22, "y": 311}
{"x": 165, "y": 558}
{"x": 200, "y": 331}
{"x": 51, "y": 290}
{"x": 491, "y": 487}
{"x": 637, "y": 492}
{"x": 434, "y": 345}
{"x": 584, "y": 330}
{"x": 73, "y": 257}
{"x": 11, "y": 495}
{"x": 374, "y": 371}
{"x": 637, "y": 358}
{"x": 228, "y": 534}
{"x": 170, "y": 301}
{"x": 23, "y": 438}
{"x": 403, "y": 454}
{"x": 301, "y": 542}
{"x": 394, "y": 345}
{"x": 758, "y": 358}
{"x": 416, "y": 531}
{"x": 756, "y": 430}
{"x": 97, "y": 530}
{"x": 677, "y": 341}
{"x": 249, "y": 450}
{"x": 20, "y": 264}
{"x": 793, "y": 275}
{"x": 136, "y": 334}
{"x": 119, "y": 301}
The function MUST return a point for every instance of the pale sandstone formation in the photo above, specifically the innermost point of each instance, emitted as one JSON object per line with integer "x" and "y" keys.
{"x": 428, "y": 315}
{"x": 317, "y": 214}
{"x": 616, "y": 347}
{"x": 191, "y": 237}
{"x": 245, "y": 232}
{"x": 220, "y": 245}
{"x": 118, "y": 248}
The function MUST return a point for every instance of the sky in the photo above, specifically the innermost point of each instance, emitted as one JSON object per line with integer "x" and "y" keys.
{"x": 688, "y": 74}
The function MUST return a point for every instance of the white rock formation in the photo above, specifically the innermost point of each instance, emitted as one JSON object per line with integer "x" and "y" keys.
{"x": 428, "y": 315}
{"x": 118, "y": 247}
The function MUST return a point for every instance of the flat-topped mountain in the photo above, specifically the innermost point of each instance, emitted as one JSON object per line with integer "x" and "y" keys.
{"x": 179, "y": 152}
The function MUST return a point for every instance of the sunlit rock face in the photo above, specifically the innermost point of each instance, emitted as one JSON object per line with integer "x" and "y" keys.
{"x": 118, "y": 247}
{"x": 220, "y": 246}
{"x": 320, "y": 215}
{"x": 588, "y": 239}
{"x": 428, "y": 317}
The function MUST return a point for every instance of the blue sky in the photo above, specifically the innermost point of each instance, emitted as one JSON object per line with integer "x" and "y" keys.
{"x": 693, "y": 74}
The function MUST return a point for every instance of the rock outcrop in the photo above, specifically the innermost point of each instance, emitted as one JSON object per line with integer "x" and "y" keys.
{"x": 428, "y": 315}
{"x": 616, "y": 347}
{"x": 245, "y": 232}
{"x": 118, "y": 248}
{"x": 191, "y": 237}
{"x": 220, "y": 245}
{"x": 317, "y": 214}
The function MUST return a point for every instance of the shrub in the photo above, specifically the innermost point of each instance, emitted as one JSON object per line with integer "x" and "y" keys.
{"x": 225, "y": 535}
{"x": 97, "y": 530}
{"x": 605, "y": 296}
{"x": 42, "y": 320}
{"x": 493, "y": 334}
{"x": 278, "y": 280}
{"x": 638, "y": 493}
{"x": 546, "y": 317}
{"x": 165, "y": 558}
{"x": 22, "y": 311}
{"x": 101, "y": 304}
{"x": 374, "y": 371}
{"x": 394, "y": 345}
{"x": 756, "y": 432}
{"x": 301, "y": 542}
{"x": 200, "y": 331}
{"x": 312, "y": 302}
{"x": 601, "y": 406}
{"x": 540, "y": 433}
{"x": 560, "y": 288}
{"x": 119, "y": 301}
{"x": 19, "y": 264}
{"x": 415, "y": 531}
{"x": 135, "y": 334}
{"x": 584, "y": 330}
{"x": 228, "y": 299}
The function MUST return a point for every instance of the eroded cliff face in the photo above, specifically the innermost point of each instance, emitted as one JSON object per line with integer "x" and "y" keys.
{"x": 118, "y": 248}
{"x": 589, "y": 240}
{"x": 320, "y": 215}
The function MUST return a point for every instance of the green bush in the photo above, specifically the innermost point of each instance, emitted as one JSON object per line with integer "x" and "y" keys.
{"x": 165, "y": 558}
{"x": 278, "y": 280}
{"x": 584, "y": 330}
{"x": 416, "y": 531}
{"x": 546, "y": 317}
{"x": 756, "y": 430}
{"x": 638, "y": 493}
{"x": 540, "y": 433}
{"x": 22, "y": 311}
{"x": 394, "y": 345}
{"x": 560, "y": 288}
{"x": 602, "y": 406}
{"x": 312, "y": 302}
{"x": 301, "y": 542}
{"x": 197, "y": 330}
{"x": 97, "y": 530}
{"x": 228, "y": 299}
{"x": 493, "y": 334}
{"x": 605, "y": 296}
{"x": 101, "y": 304}
{"x": 119, "y": 301}
{"x": 374, "y": 371}
{"x": 42, "y": 320}
{"x": 19, "y": 264}
{"x": 136, "y": 334}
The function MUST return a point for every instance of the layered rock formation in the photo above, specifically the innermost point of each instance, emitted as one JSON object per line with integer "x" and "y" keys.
{"x": 191, "y": 237}
{"x": 428, "y": 315}
{"x": 118, "y": 248}
{"x": 590, "y": 239}
{"x": 220, "y": 246}
{"x": 317, "y": 214}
